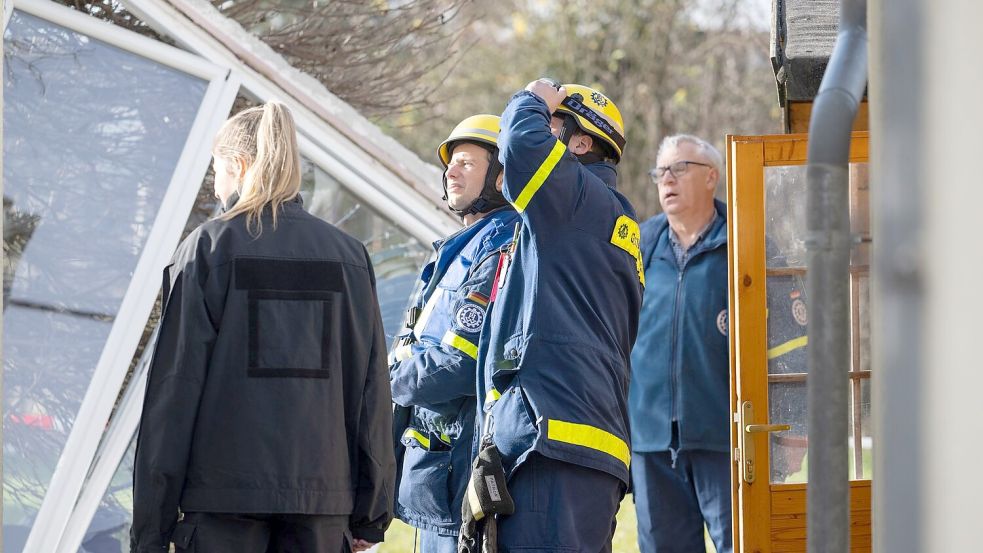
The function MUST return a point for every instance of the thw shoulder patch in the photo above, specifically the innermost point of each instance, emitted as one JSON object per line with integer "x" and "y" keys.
{"x": 470, "y": 317}
{"x": 627, "y": 236}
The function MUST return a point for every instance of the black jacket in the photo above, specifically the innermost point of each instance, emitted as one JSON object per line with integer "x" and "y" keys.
{"x": 269, "y": 390}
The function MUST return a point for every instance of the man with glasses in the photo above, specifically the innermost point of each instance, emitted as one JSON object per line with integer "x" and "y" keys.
{"x": 679, "y": 394}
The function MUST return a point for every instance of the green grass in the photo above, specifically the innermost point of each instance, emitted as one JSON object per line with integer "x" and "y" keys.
{"x": 399, "y": 538}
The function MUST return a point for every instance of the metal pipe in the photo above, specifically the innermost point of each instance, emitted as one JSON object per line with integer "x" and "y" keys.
{"x": 899, "y": 82}
{"x": 828, "y": 243}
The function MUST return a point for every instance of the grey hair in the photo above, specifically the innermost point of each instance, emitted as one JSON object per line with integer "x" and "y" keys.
{"x": 709, "y": 153}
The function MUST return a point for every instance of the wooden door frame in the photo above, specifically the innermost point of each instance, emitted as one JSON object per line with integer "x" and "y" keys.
{"x": 747, "y": 290}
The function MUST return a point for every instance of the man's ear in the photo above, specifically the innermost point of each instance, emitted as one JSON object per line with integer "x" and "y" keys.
{"x": 713, "y": 177}
{"x": 581, "y": 143}
{"x": 500, "y": 180}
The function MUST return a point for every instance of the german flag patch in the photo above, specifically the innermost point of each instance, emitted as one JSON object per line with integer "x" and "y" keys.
{"x": 479, "y": 298}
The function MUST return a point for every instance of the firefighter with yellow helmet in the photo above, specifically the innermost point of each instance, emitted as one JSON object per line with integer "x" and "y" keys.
{"x": 555, "y": 359}
{"x": 433, "y": 362}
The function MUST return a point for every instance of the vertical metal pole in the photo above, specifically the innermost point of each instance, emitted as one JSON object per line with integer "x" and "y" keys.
{"x": 828, "y": 245}
{"x": 897, "y": 155}
{"x": 951, "y": 193}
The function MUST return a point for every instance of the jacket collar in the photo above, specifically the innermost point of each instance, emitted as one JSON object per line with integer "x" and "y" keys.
{"x": 715, "y": 237}
{"x": 233, "y": 199}
{"x": 606, "y": 171}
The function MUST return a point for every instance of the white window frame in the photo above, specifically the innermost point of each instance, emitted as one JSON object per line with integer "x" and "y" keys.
{"x": 97, "y": 404}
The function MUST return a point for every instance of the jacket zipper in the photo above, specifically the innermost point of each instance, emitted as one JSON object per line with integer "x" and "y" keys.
{"x": 672, "y": 352}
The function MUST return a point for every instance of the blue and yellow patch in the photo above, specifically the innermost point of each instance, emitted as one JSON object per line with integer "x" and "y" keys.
{"x": 627, "y": 236}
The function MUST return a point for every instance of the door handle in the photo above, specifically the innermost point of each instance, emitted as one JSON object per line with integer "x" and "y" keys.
{"x": 767, "y": 427}
{"x": 748, "y": 430}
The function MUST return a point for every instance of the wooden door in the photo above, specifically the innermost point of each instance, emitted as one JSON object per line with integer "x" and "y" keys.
{"x": 766, "y": 185}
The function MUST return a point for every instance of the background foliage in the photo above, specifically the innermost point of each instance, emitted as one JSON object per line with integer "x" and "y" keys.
{"x": 670, "y": 66}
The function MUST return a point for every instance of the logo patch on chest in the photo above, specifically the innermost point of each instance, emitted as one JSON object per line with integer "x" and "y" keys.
{"x": 722, "y": 322}
{"x": 469, "y": 317}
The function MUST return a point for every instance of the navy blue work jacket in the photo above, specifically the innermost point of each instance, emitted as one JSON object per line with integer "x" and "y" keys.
{"x": 435, "y": 376}
{"x": 556, "y": 360}
{"x": 680, "y": 362}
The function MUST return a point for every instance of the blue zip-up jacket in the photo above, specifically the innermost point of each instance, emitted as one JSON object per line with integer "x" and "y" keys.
{"x": 556, "y": 360}
{"x": 680, "y": 365}
{"x": 435, "y": 376}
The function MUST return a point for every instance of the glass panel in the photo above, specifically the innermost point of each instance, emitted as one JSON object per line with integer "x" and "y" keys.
{"x": 91, "y": 138}
{"x": 787, "y": 401}
{"x": 396, "y": 256}
{"x": 785, "y": 220}
{"x": 109, "y": 531}
{"x": 866, "y": 440}
{"x": 785, "y": 198}
{"x": 785, "y": 189}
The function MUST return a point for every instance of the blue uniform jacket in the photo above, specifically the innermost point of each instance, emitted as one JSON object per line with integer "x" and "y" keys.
{"x": 680, "y": 363}
{"x": 555, "y": 363}
{"x": 435, "y": 376}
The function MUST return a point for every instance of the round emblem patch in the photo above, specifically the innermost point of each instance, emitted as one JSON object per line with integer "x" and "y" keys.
{"x": 799, "y": 312}
{"x": 469, "y": 317}
{"x": 722, "y": 322}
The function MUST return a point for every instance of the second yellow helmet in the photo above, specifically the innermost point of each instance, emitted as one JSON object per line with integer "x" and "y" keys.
{"x": 596, "y": 115}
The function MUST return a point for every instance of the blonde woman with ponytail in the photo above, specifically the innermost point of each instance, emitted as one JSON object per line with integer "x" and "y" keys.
{"x": 267, "y": 418}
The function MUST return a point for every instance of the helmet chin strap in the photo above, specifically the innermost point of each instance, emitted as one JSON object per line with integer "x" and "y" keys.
{"x": 489, "y": 198}
{"x": 568, "y": 129}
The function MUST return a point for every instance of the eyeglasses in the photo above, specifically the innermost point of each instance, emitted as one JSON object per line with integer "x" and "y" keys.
{"x": 677, "y": 170}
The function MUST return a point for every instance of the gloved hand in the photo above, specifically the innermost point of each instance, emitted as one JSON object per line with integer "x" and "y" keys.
{"x": 487, "y": 496}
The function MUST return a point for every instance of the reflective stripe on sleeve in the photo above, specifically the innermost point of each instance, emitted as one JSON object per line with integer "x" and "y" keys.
{"x": 590, "y": 437}
{"x": 493, "y": 396}
{"x": 423, "y": 439}
{"x": 539, "y": 177}
{"x": 791, "y": 345}
{"x": 466, "y": 347}
{"x": 421, "y": 323}
{"x": 403, "y": 353}
{"x": 418, "y": 436}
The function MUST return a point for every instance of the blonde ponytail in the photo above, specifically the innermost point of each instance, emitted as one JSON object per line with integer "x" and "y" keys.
{"x": 264, "y": 140}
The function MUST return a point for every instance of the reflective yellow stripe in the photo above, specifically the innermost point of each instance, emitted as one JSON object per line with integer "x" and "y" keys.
{"x": 403, "y": 352}
{"x": 423, "y": 439}
{"x": 589, "y": 436}
{"x": 539, "y": 178}
{"x": 421, "y": 323}
{"x": 791, "y": 345}
{"x": 465, "y": 346}
{"x": 416, "y": 435}
{"x": 493, "y": 396}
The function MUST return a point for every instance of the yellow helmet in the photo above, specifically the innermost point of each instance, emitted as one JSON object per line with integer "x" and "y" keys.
{"x": 596, "y": 115}
{"x": 482, "y": 129}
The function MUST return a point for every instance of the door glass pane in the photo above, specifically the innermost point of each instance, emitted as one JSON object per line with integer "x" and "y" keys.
{"x": 396, "y": 256}
{"x": 785, "y": 189}
{"x": 788, "y": 316}
{"x": 91, "y": 138}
